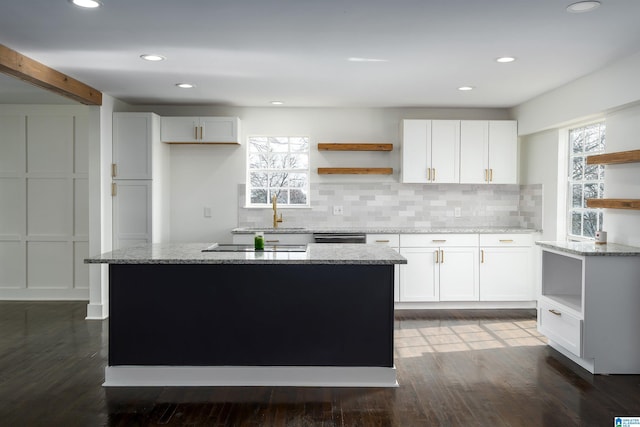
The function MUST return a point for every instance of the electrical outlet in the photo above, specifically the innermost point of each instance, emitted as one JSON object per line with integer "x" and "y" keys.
{"x": 207, "y": 212}
{"x": 337, "y": 210}
{"x": 457, "y": 212}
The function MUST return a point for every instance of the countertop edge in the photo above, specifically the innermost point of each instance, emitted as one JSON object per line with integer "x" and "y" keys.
{"x": 590, "y": 248}
{"x": 389, "y": 230}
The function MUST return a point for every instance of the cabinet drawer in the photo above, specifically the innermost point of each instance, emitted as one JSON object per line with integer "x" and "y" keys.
{"x": 506, "y": 240}
{"x": 437, "y": 240}
{"x": 392, "y": 240}
{"x": 558, "y": 325}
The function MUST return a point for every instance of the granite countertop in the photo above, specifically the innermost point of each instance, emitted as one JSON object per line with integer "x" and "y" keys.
{"x": 591, "y": 249}
{"x": 384, "y": 230}
{"x": 191, "y": 253}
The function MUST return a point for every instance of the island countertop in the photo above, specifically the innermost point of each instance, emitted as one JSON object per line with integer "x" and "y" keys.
{"x": 591, "y": 249}
{"x": 191, "y": 253}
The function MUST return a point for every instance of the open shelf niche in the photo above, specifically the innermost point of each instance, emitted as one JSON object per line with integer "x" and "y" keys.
{"x": 617, "y": 158}
{"x": 355, "y": 146}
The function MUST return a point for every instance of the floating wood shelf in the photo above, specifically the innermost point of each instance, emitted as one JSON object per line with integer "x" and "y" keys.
{"x": 355, "y": 171}
{"x": 614, "y": 158}
{"x": 357, "y": 146}
{"x": 614, "y": 203}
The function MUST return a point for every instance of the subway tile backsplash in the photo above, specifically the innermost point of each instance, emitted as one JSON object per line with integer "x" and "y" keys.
{"x": 408, "y": 205}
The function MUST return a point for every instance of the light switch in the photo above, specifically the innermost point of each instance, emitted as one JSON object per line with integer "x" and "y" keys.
{"x": 457, "y": 212}
{"x": 207, "y": 212}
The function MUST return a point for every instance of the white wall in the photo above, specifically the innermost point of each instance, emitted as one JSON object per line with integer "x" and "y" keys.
{"x": 208, "y": 176}
{"x": 611, "y": 93}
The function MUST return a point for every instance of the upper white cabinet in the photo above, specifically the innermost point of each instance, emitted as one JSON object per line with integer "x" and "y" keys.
{"x": 132, "y": 142}
{"x": 430, "y": 151}
{"x": 201, "y": 130}
{"x": 488, "y": 152}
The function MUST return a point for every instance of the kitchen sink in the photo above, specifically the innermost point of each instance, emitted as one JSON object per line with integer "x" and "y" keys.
{"x": 224, "y": 247}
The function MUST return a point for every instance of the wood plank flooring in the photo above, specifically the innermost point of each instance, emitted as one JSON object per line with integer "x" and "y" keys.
{"x": 455, "y": 368}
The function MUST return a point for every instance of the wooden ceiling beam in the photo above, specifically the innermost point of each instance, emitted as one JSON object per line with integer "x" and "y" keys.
{"x": 31, "y": 71}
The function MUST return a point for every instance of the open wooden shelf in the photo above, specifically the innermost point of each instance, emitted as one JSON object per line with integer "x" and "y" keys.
{"x": 354, "y": 146}
{"x": 614, "y": 203}
{"x": 614, "y": 158}
{"x": 355, "y": 171}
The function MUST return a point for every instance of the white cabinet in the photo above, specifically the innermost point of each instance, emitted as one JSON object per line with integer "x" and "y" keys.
{"x": 441, "y": 267}
{"x": 139, "y": 189}
{"x": 430, "y": 151}
{"x": 201, "y": 130}
{"x": 588, "y": 308}
{"x": 392, "y": 241}
{"x": 488, "y": 152}
{"x": 275, "y": 238}
{"x": 506, "y": 267}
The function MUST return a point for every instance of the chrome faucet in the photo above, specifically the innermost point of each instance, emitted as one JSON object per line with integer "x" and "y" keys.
{"x": 276, "y": 220}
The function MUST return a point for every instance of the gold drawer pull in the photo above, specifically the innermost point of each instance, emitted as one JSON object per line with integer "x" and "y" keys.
{"x": 272, "y": 241}
{"x": 382, "y": 241}
{"x": 481, "y": 256}
{"x": 437, "y": 257}
{"x": 438, "y": 241}
{"x": 428, "y": 174}
{"x": 506, "y": 240}
{"x": 434, "y": 174}
{"x": 441, "y": 257}
{"x": 557, "y": 313}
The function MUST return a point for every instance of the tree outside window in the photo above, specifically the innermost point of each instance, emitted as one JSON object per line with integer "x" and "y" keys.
{"x": 585, "y": 181}
{"x": 278, "y": 166}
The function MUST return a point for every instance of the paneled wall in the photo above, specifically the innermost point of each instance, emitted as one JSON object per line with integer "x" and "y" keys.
{"x": 44, "y": 207}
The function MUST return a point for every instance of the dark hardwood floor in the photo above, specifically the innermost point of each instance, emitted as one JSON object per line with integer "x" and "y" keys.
{"x": 455, "y": 368}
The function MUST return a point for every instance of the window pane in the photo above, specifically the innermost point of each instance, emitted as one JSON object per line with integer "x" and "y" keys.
{"x": 298, "y": 197}
{"x": 299, "y": 161}
{"x": 278, "y": 179}
{"x": 577, "y": 167}
{"x": 590, "y": 192}
{"x": 601, "y": 190}
{"x": 297, "y": 180}
{"x": 258, "y": 179}
{"x": 258, "y": 161}
{"x": 576, "y": 138}
{"x": 591, "y": 172}
{"x": 576, "y": 223}
{"x": 281, "y": 195}
{"x": 299, "y": 144}
{"x": 592, "y": 139}
{"x": 600, "y": 220}
{"x": 258, "y": 144}
{"x": 279, "y": 145}
{"x": 590, "y": 224}
{"x": 258, "y": 196}
{"x": 577, "y": 196}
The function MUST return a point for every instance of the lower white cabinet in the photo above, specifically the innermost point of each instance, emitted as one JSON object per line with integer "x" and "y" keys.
{"x": 440, "y": 267}
{"x": 132, "y": 219}
{"x": 506, "y": 267}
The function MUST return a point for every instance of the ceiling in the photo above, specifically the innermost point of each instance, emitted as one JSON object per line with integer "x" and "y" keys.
{"x": 252, "y": 52}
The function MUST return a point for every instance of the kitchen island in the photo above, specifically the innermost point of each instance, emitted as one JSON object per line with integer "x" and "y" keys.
{"x": 182, "y": 317}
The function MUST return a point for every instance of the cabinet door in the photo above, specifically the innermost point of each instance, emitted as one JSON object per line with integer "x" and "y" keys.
{"x": 474, "y": 151}
{"x": 222, "y": 130}
{"x": 131, "y": 213}
{"x": 132, "y": 145}
{"x": 416, "y": 151}
{"x": 445, "y": 151}
{"x": 503, "y": 152}
{"x": 506, "y": 274}
{"x": 458, "y": 274}
{"x": 419, "y": 277}
{"x": 180, "y": 129}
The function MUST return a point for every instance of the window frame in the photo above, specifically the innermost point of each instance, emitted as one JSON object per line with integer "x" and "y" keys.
{"x": 306, "y": 171}
{"x": 598, "y": 182}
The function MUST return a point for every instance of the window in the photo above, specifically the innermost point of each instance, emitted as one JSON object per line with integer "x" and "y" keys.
{"x": 585, "y": 181}
{"x": 278, "y": 166}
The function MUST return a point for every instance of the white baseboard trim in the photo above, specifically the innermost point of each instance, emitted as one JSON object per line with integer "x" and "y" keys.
{"x": 275, "y": 376}
{"x": 479, "y": 305}
{"x": 96, "y": 312}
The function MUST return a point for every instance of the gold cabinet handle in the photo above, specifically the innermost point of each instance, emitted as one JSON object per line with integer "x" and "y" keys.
{"x": 438, "y": 241}
{"x": 428, "y": 174}
{"x": 437, "y": 257}
{"x": 272, "y": 241}
{"x": 506, "y": 240}
{"x": 490, "y": 175}
{"x": 114, "y": 170}
{"x": 114, "y": 189}
{"x": 196, "y": 128}
{"x": 201, "y": 133}
{"x": 482, "y": 256}
{"x": 382, "y": 241}
{"x": 557, "y": 313}
{"x": 486, "y": 175}
{"x": 434, "y": 174}
{"x": 441, "y": 257}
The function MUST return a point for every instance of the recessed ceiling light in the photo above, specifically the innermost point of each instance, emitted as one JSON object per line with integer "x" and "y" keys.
{"x": 185, "y": 85}
{"x": 463, "y": 88}
{"x": 152, "y": 57}
{"x": 88, "y": 4}
{"x": 583, "y": 6}
{"x": 505, "y": 59}
{"x": 358, "y": 59}
{"x": 277, "y": 102}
